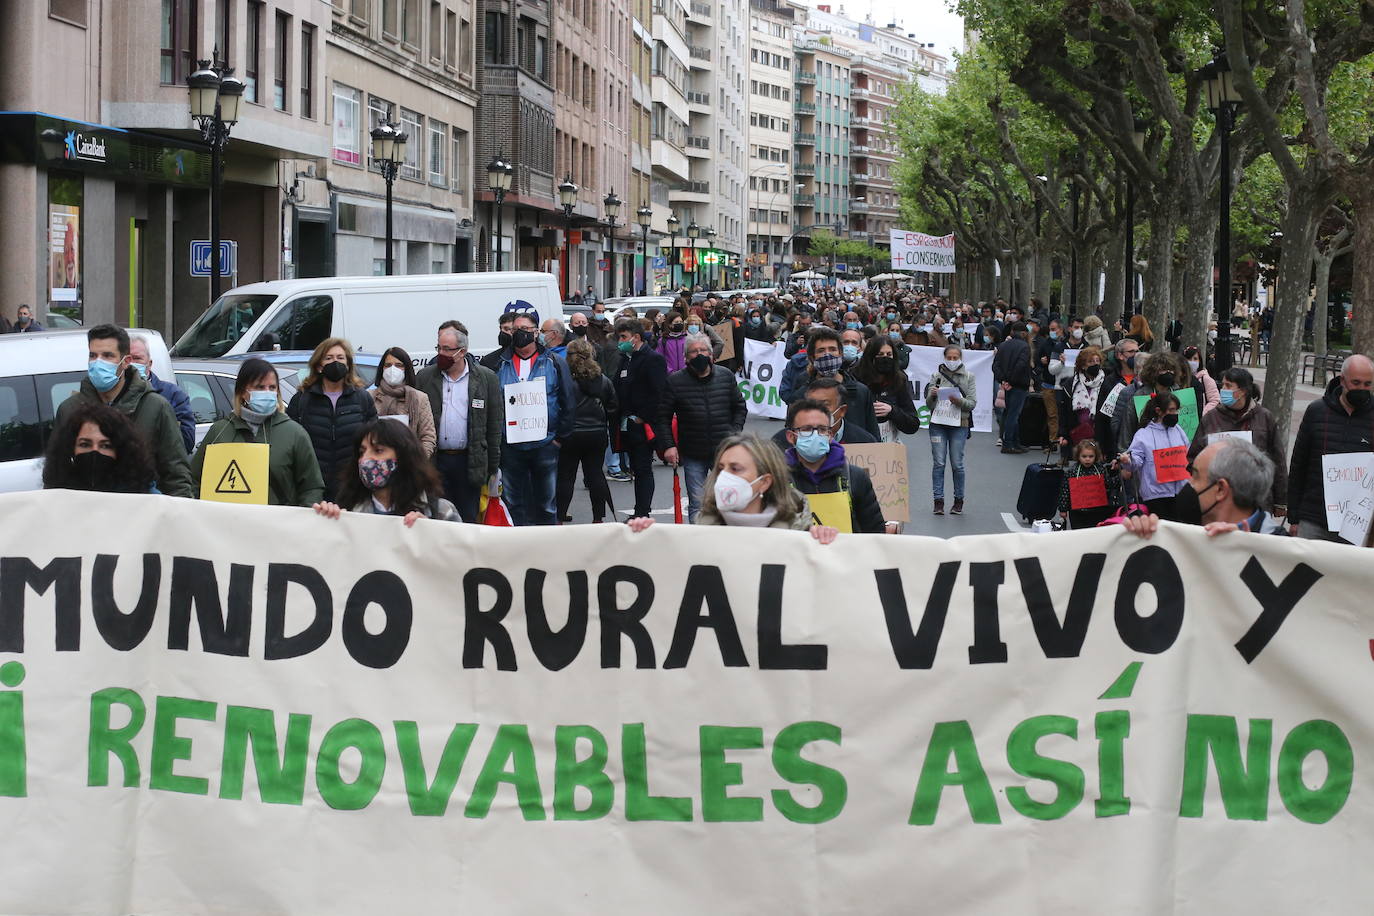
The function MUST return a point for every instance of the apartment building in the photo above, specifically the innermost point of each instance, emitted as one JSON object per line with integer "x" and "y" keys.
{"x": 408, "y": 63}
{"x": 104, "y": 175}
{"x": 659, "y": 269}
{"x": 822, "y": 107}
{"x": 874, "y": 83}
{"x": 773, "y": 160}
{"x": 674, "y": 102}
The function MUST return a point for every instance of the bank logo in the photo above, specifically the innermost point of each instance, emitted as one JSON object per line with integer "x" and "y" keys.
{"x": 79, "y": 146}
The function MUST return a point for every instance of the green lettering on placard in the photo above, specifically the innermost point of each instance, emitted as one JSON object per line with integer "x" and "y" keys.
{"x": 1319, "y": 805}
{"x": 512, "y": 744}
{"x": 953, "y": 739}
{"x": 281, "y": 780}
{"x": 105, "y": 740}
{"x": 14, "y": 777}
{"x": 1244, "y": 786}
{"x": 719, "y": 774}
{"x": 1112, "y": 729}
{"x": 639, "y": 804}
{"x": 430, "y": 799}
{"x": 571, "y": 773}
{"x": 169, "y": 747}
{"x": 791, "y": 766}
{"x": 1023, "y": 757}
{"x": 356, "y": 795}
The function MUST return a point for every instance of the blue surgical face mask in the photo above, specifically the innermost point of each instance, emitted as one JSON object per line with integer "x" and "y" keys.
{"x": 1228, "y": 396}
{"x": 693, "y": 329}
{"x": 543, "y": 341}
{"x": 103, "y": 375}
{"x": 262, "y": 401}
{"x": 895, "y": 334}
{"x": 755, "y": 321}
{"x": 1054, "y": 335}
{"x": 851, "y": 352}
{"x": 141, "y": 369}
{"x": 813, "y": 446}
{"x": 852, "y": 325}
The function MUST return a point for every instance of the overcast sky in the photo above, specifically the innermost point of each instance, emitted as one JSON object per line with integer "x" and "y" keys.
{"x": 931, "y": 20}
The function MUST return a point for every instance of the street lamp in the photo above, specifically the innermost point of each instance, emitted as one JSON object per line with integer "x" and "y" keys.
{"x": 673, "y": 224}
{"x": 712, "y": 275}
{"x": 693, "y": 233}
{"x": 567, "y": 196}
{"x": 499, "y": 173}
{"x": 388, "y": 151}
{"x": 1223, "y": 99}
{"x": 215, "y": 96}
{"x": 612, "y": 205}
{"x": 644, "y": 216}
{"x": 1128, "y": 301}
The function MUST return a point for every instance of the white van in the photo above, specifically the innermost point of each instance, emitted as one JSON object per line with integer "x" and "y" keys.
{"x": 371, "y": 313}
{"x": 37, "y": 373}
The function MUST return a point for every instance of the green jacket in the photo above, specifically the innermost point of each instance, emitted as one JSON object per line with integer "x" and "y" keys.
{"x": 486, "y": 417}
{"x": 153, "y": 416}
{"x": 293, "y": 472}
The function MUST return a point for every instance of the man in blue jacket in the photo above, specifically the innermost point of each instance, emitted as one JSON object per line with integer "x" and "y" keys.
{"x": 529, "y": 455}
{"x": 179, "y": 399}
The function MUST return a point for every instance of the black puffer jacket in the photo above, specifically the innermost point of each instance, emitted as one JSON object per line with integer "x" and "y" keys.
{"x": 1327, "y": 428}
{"x": 708, "y": 411}
{"x": 333, "y": 428}
{"x": 596, "y": 405}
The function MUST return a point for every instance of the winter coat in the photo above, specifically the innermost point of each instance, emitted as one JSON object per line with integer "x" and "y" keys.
{"x": 673, "y": 350}
{"x": 596, "y": 405}
{"x": 293, "y": 472}
{"x": 961, "y": 379}
{"x": 181, "y": 406}
{"x": 154, "y": 418}
{"x": 802, "y": 521}
{"x": 486, "y": 416}
{"x": 333, "y": 428}
{"x": 1326, "y": 429}
{"x": 1147, "y": 440}
{"x": 558, "y": 388}
{"x": 1098, "y": 337}
{"x": 708, "y": 411}
{"x": 836, "y": 474}
{"x": 441, "y": 511}
{"x": 1259, "y": 422}
{"x": 412, "y": 403}
{"x": 640, "y": 382}
{"x": 1011, "y": 364}
{"x": 1209, "y": 388}
{"x": 897, "y": 395}
{"x": 1102, "y": 427}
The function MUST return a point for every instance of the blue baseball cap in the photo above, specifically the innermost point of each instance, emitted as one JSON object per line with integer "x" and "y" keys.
{"x": 521, "y": 307}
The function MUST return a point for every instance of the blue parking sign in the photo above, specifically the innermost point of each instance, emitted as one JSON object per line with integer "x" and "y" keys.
{"x": 200, "y": 258}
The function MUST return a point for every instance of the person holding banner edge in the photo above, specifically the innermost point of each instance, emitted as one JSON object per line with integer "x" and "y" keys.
{"x": 391, "y": 476}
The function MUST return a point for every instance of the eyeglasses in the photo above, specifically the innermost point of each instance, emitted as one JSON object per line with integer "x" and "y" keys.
{"x": 804, "y": 430}
{"x": 448, "y": 351}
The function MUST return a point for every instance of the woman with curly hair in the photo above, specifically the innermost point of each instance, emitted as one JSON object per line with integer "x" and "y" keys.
{"x": 389, "y": 475}
{"x": 98, "y": 448}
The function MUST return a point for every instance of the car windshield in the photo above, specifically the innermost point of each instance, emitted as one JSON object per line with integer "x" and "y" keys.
{"x": 222, "y": 325}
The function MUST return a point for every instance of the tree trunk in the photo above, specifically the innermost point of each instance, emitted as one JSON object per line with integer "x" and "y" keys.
{"x": 1159, "y": 275}
{"x": 1193, "y": 305}
{"x": 1362, "y": 266}
{"x": 1305, "y": 208}
{"x": 1025, "y": 277}
{"x": 1115, "y": 286}
{"x": 1321, "y": 317}
{"x": 1044, "y": 268}
{"x": 1006, "y": 283}
{"x": 987, "y": 279}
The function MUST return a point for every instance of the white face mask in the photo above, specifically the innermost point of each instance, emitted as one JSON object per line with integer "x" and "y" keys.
{"x": 953, "y": 365}
{"x": 393, "y": 375}
{"x": 733, "y": 492}
{"x": 1077, "y": 333}
{"x": 1193, "y": 364}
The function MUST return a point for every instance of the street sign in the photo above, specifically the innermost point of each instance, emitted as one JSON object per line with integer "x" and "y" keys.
{"x": 842, "y": 268}
{"x": 200, "y": 257}
{"x": 603, "y": 264}
{"x": 710, "y": 257}
{"x": 660, "y": 262}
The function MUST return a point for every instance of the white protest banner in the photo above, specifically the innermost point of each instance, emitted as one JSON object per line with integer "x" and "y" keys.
{"x": 527, "y": 411}
{"x": 760, "y": 377}
{"x": 918, "y": 251}
{"x": 1345, "y": 481}
{"x": 926, "y": 360}
{"x": 352, "y": 717}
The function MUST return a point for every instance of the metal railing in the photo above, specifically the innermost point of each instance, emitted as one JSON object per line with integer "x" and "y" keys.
{"x": 691, "y": 187}
{"x": 698, "y": 142}
{"x": 806, "y": 107}
{"x": 805, "y": 168}
{"x": 700, "y": 9}
{"x": 804, "y": 200}
{"x": 699, "y": 53}
{"x": 698, "y": 98}
{"x": 805, "y": 139}
{"x": 806, "y": 77}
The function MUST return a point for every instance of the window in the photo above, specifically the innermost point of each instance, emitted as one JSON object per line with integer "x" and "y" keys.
{"x": 73, "y": 11}
{"x": 410, "y": 22}
{"x": 347, "y": 102}
{"x": 307, "y": 70}
{"x": 20, "y": 432}
{"x": 494, "y": 46}
{"x": 389, "y": 17}
{"x": 465, "y": 46}
{"x": 283, "y": 59}
{"x": 438, "y": 151}
{"x": 413, "y": 125}
{"x": 436, "y": 31}
{"x": 224, "y": 19}
{"x": 541, "y": 57}
{"x": 358, "y": 9}
{"x": 252, "y": 52}
{"x": 451, "y": 40}
{"x": 460, "y": 165}
{"x": 179, "y": 32}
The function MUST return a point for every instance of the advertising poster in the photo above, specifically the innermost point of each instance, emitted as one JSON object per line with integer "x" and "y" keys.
{"x": 64, "y": 252}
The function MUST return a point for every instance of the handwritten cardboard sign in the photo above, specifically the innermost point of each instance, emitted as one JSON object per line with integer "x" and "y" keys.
{"x": 886, "y": 464}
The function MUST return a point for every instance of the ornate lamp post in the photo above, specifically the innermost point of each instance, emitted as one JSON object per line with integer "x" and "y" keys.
{"x": 499, "y": 173}
{"x": 567, "y": 196}
{"x": 388, "y": 151}
{"x": 612, "y": 205}
{"x": 215, "y": 96}
{"x": 644, "y": 216}
{"x": 1128, "y": 303}
{"x": 673, "y": 225}
{"x": 712, "y": 273}
{"x": 1223, "y": 99}
{"x": 693, "y": 233}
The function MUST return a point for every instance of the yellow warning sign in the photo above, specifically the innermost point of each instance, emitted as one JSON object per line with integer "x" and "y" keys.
{"x": 235, "y": 472}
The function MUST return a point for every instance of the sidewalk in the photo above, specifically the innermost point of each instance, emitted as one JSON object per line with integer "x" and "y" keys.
{"x": 1302, "y": 396}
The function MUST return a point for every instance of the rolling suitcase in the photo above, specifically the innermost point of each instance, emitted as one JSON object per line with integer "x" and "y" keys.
{"x": 1039, "y": 497}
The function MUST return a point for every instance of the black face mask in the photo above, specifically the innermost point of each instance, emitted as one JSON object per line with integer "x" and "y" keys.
{"x": 580, "y": 330}
{"x": 522, "y": 338}
{"x": 1170, "y": 420}
{"x": 92, "y": 471}
{"x": 1188, "y": 505}
{"x": 1359, "y": 398}
{"x": 1166, "y": 379}
{"x": 699, "y": 363}
{"x": 1091, "y": 371}
{"x": 335, "y": 372}
{"x": 503, "y": 339}
{"x": 884, "y": 364}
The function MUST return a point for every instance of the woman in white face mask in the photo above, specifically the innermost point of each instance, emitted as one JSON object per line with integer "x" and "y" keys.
{"x": 396, "y": 396}
{"x": 751, "y": 487}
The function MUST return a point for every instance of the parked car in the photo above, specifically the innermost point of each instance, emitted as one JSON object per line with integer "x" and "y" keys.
{"x": 209, "y": 383}
{"x": 372, "y": 313}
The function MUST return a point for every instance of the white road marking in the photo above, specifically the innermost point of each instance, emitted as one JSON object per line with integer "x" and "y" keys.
{"x": 1013, "y": 525}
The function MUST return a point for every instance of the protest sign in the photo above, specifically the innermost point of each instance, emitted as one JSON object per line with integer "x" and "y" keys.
{"x": 1244, "y": 435}
{"x": 946, "y": 412}
{"x": 918, "y": 251}
{"x": 833, "y": 510}
{"x": 726, "y": 330}
{"x": 925, "y": 361}
{"x": 1171, "y": 464}
{"x": 1070, "y": 359}
{"x": 1088, "y": 491}
{"x": 527, "y": 411}
{"x": 1187, "y": 409}
{"x": 886, "y": 465}
{"x": 1347, "y": 488}
{"x": 353, "y": 717}
{"x": 760, "y": 377}
{"x": 235, "y": 472}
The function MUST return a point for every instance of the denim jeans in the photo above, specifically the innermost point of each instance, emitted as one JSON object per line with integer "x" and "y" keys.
{"x": 1011, "y": 422}
{"x": 530, "y": 477}
{"x": 695, "y": 471}
{"x": 612, "y": 457}
{"x": 947, "y": 441}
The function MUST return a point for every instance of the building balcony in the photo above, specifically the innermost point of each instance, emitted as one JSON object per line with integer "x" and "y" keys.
{"x": 802, "y": 139}
{"x": 860, "y": 121}
{"x": 699, "y": 53}
{"x": 691, "y": 191}
{"x": 859, "y": 92}
{"x": 698, "y": 99}
{"x": 806, "y": 77}
{"x": 858, "y": 177}
{"x": 861, "y": 236}
{"x": 859, "y": 149}
{"x": 699, "y": 11}
{"x": 805, "y": 108}
{"x": 698, "y": 146}
{"x": 804, "y": 168}
{"x": 858, "y": 206}
{"x": 803, "y": 200}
